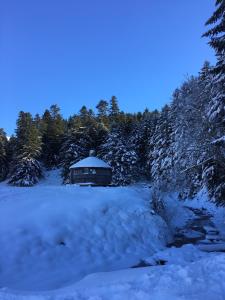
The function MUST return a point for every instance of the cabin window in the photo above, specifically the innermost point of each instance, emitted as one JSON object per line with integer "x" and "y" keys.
{"x": 88, "y": 171}
{"x": 85, "y": 171}
{"x": 92, "y": 171}
{"x": 77, "y": 171}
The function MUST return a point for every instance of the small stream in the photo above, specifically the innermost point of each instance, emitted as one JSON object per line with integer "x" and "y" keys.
{"x": 199, "y": 231}
{"x": 195, "y": 230}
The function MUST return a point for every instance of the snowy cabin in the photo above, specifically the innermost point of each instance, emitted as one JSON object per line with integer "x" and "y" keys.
{"x": 91, "y": 170}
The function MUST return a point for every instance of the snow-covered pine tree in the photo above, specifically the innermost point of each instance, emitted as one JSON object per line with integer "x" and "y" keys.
{"x": 26, "y": 169}
{"x": 140, "y": 137}
{"x": 151, "y": 121}
{"x": 74, "y": 148}
{"x": 85, "y": 133}
{"x": 120, "y": 153}
{"x": 190, "y": 134}
{"x": 93, "y": 129}
{"x": 4, "y": 164}
{"x": 162, "y": 153}
{"x": 217, "y": 42}
{"x": 214, "y": 169}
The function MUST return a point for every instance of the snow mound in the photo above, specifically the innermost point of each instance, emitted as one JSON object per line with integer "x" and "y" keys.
{"x": 181, "y": 278}
{"x": 52, "y": 236}
{"x": 197, "y": 281}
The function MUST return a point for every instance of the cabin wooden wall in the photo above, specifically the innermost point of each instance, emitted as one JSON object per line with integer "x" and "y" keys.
{"x": 102, "y": 177}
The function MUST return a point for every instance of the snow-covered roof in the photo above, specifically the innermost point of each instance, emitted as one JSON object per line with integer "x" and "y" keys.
{"x": 91, "y": 162}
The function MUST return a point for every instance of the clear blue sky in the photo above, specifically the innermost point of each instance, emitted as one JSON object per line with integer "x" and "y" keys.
{"x": 75, "y": 52}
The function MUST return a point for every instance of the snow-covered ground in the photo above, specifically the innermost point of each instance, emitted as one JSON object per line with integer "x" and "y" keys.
{"x": 53, "y": 235}
{"x": 78, "y": 243}
{"x": 190, "y": 274}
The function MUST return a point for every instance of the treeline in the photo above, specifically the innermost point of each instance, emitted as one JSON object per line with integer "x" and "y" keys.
{"x": 182, "y": 147}
{"x": 111, "y": 134}
{"x": 50, "y": 141}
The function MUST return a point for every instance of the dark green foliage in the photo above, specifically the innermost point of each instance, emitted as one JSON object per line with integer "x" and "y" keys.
{"x": 102, "y": 108}
{"x": 162, "y": 139}
{"x": 26, "y": 172}
{"x": 217, "y": 42}
{"x": 141, "y": 137}
{"x": 216, "y": 108}
{"x": 28, "y": 138}
{"x": 3, "y": 155}
{"x": 216, "y": 32}
{"x": 103, "y": 112}
{"x": 120, "y": 153}
{"x": 114, "y": 111}
{"x": 52, "y": 128}
{"x": 25, "y": 168}
{"x": 74, "y": 148}
{"x": 114, "y": 107}
{"x": 85, "y": 132}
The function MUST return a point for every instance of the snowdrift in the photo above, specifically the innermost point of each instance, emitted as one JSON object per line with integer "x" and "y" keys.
{"x": 196, "y": 278}
{"x": 189, "y": 274}
{"x": 52, "y": 236}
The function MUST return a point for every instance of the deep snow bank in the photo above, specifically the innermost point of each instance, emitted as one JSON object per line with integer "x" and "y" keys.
{"x": 189, "y": 274}
{"x": 52, "y": 236}
{"x": 202, "y": 279}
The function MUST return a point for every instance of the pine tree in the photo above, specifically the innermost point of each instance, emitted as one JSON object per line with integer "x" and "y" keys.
{"x": 74, "y": 148}
{"x": 217, "y": 42}
{"x": 151, "y": 120}
{"x": 4, "y": 164}
{"x": 103, "y": 110}
{"x": 26, "y": 170}
{"x": 38, "y": 122}
{"x": 213, "y": 171}
{"x": 121, "y": 156}
{"x": 11, "y": 152}
{"x": 84, "y": 113}
{"x": 114, "y": 107}
{"x": 217, "y": 38}
{"x": 182, "y": 137}
{"x": 141, "y": 135}
{"x": 93, "y": 130}
{"x": 85, "y": 133}
{"x": 162, "y": 153}
{"x": 190, "y": 134}
{"x": 114, "y": 111}
{"x": 53, "y": 128}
